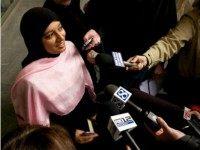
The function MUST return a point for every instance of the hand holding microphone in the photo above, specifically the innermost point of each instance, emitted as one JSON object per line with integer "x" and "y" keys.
{"x": 87, "y": 44}
{"x": 166, "y": 133}
{"x": 91, "y": 39}
{"x": 130, "y": 65}
{"x": 91, "y": 55}
{"x": 83, "y": 137}
{"x": 136, "y": 63}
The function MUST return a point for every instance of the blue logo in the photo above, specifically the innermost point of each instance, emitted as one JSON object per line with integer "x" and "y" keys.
{"x": 123, "y": 121}
{"x": 123, "y": 94}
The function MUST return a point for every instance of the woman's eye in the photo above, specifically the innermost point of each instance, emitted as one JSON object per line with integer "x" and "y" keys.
{"x": 48, "y": 36}
{"x": 60, "y": 28}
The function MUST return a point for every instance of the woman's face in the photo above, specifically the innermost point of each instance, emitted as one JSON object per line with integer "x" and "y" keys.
{"x": 54, "y": 38}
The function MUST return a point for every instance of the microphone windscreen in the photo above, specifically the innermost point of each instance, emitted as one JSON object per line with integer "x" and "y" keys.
{"x": 104, "y": 59}
{"x": 110, "y": 90}
{"x": 107, "y": 94}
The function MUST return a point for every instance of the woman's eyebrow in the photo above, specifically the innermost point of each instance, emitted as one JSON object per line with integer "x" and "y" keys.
{"x": 45, "y": 33}
{"x": 59, "y": 25}
{"x": 50, "y": 31}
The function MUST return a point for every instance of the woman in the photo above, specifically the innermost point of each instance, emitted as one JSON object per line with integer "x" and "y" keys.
{"x": 76, "y": 26}
{"x": 73, "y": 21}
{"x": 54, "y": 79}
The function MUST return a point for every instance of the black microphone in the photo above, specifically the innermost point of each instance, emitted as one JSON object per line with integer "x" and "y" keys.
{"x": 150, "y": 102}
{"x": 120, "y": 96}
{"x": 195, "y": 124}
{"x": 119, "y": 125}
{"x": 114, "y": 60}
{"x": 104, "y": 59}
{"x": 175, "y": 112}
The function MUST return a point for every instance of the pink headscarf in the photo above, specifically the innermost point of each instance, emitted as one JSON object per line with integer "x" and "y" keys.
{"x": 51, "y": 85}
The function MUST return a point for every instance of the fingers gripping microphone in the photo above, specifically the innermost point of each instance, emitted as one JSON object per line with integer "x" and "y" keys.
{"x": 85, "y": 45}
{"x": 192, "y": 120}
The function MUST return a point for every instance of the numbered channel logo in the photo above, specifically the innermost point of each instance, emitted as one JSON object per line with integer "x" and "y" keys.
{"x": 123, "y": 94}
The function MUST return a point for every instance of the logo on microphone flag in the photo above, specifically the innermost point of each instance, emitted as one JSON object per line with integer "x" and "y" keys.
{"x": 119, "y": 123}
{"x": 120, "y": 97}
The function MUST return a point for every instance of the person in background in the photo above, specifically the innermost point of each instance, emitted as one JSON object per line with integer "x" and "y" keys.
{"x": 37, "y": 137}
{"x": 128, "y": 27}
{"x": 183, "y": 84}
{"x": 54, "y": 83}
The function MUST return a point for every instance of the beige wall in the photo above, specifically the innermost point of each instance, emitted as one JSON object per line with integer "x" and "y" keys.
{"x": 4, "y": 5}
{"x": 13, "y": 51}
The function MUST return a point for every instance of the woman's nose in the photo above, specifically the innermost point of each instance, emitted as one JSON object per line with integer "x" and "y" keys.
{"x": 60, "y": 36}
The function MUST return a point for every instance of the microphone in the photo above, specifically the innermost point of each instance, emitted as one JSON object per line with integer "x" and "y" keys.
{"x": 146, "y": 100}
{"x": 120, "y": 125}
{"x": 112, "y": 61}
{"x": 104, "y": 59}
{"x": 192, "y": 120}
{"x": 149, "y": 102}
{"x": 120, "y": 96}
{"x": 195, "y": 124}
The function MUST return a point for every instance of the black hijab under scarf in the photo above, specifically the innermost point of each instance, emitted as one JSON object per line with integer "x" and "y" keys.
{"x": 33, "y": 25}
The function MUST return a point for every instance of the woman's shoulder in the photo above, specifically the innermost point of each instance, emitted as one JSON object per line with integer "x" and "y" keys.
{"x": 25, "y": 80}
{"x": 69, "y": 43}
{"x": 33, "y": 71}
{"x": 70, "y": 46}
{"x": 21, "y": 85}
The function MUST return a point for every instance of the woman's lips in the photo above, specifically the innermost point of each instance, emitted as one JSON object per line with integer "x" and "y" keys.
{"x": 61, "y": 45}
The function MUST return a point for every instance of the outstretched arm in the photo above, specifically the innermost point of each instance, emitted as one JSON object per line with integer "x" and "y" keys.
{"x": 166, "y": 47}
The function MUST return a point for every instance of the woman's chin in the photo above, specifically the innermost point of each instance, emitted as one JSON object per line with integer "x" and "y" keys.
{"x": 61, "y": 49}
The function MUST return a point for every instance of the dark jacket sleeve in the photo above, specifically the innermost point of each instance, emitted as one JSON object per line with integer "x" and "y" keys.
{"x": 188, "y": 143}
